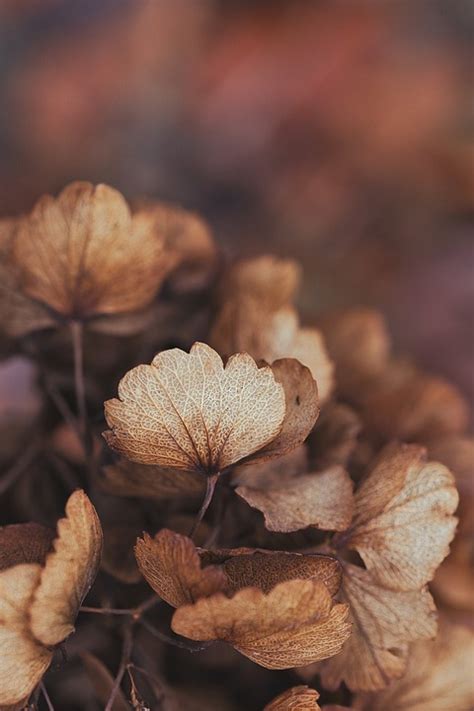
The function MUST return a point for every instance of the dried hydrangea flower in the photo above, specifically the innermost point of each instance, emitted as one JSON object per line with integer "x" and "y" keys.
{"x": 41, "y": 592}
{"x": 298, "y": 698}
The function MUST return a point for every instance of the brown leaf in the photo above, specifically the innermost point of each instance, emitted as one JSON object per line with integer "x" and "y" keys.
{"x": 68, "y": 573}
{"x": 294, "y": 624}
{"x": 406, "y": 404}
{"x": 125, "y": 478}
{"x": 269, "y": 280}
{"x": 358, "y": 342}
{"x": 23, "y": 660}
{"x": 244, "y": 324}
{"x": 403, "y": 520}
{"x": 39, "y": 601}
{"x": 438, "y": 676}
{"x": 298, "y": 698}
{"x": 188, "y": 411}
{"x": 24, "y": 543}
{"x": 301, "y": 409}
{"x": 247, "y": 567}
{"x": 84, "y": 254}
{"x": 318, "y": 499}
{"x": 117, "y": 556}
{"x": 188, "y": 239}
{"x": 170, "y": 563}
{"x": 269, "y": 472}
{"x": 385, "y": 622}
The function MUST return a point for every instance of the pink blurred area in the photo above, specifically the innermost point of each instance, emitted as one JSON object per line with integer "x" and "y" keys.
{"x": 331, "y": 131}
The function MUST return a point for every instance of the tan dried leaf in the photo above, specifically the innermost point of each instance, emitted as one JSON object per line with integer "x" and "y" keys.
{"x": 170, "y": 563}
{"x": 403, "y": 520}
{"x": 269, "y": 280}
{"x": 301, "y": 409}
{"x": 188, "y": 411}
{"x": 407, "y": 404}
{"x": 359, "y": 344}
{"x": 294, "y": 624}
{"x": 385, "y": 622}
{"x": 245, "y": 324}
{"x": 318, "y": 499}
{"x": 247, "y": 567}
{"x": 298, "y": 698}
{"x": 438, "y": 676}
{"x": 84, "y": 254}
{"x": 23, "y": 660}
{"x": 68, "y": 573}
{"x": 36, "y": 595}
{"x": 125, "y": 478}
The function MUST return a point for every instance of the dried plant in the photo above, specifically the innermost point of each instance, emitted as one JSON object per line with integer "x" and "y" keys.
{"x": 288, "y": 490}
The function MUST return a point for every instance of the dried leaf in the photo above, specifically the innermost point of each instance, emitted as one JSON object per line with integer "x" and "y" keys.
{"x": 170, "y": 563}
{"x": 268, "y": 473}
{"x": 438, "y": 676}
{"x": 403, "y": 520}
{"x": 39, "y": 601}
{"x": 24, "y": 543}
{"x": 68, "y": 573}
{"x": 84, "y": 254}
{"x": 247, "y": 567}
{"x": 269, "y": 280}
{"x": 385, "y": 622}
{"x": 188, "y": 411}
{"x": 298, "y": 698}
{"x": 125, "y": 478}
{"x": 117, "y": 556}
{"x": 406, "y": 404}
{"x": 244, "y": 324}
{"x": 23, "y": 661}
{"x": 318, "y": 499}
{"x": 301, "y": 409}
{"x": 359, "y": 344}
{"x": 294, "y": 624}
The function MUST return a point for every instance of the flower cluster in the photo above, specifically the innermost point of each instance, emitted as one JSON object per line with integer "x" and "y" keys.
{"x": 289, "y": 491}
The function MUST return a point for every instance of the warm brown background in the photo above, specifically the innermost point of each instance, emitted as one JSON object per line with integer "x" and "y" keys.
{"x": 335, "y": 132}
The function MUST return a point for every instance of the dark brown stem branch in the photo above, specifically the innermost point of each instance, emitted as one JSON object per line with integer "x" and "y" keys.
{"x": 49, "y": 703}
{"x": 124, "y": 662}
{"x": 210, "y": 488}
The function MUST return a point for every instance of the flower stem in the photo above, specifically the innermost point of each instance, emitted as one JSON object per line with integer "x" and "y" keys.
{"x": 210, "y": 488}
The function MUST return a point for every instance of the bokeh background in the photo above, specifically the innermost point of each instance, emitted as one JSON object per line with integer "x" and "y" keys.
{"x": 335, "y": 132}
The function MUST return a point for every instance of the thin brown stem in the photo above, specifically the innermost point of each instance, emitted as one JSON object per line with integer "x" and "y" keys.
{"x": 79, "y": 380}
{"x": 49, "y": 703}
{"x": 125, "y": 660}
{"x": 21, "y": 465}
{"x": 108, "y": 611}
{"x": 210, "y": 488}
{"x": 170, "y": 640}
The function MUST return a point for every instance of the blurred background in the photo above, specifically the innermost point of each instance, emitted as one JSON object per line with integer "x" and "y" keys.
{"x": 335, "y": 132}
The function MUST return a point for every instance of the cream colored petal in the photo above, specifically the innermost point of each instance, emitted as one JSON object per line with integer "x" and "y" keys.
{"x": 188, "y": 411}
{"x": 403, "y": 520}
{"x": 385, "y": 622}
{"x": 68, "y": 573}
{"x": 23, "y": 661}
{"x": 320, "y": 499}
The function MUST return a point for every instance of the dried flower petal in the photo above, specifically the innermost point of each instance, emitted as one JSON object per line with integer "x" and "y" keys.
{"x": 298, "y": 698}
{"x": 68, "y": 573}
{"x": 84, "y": 254}
{"x": 171, "y": 565}
{"x": 334, "y": 437}
{"x": 294, "y": 624}
{"x": 24, "y": 543}
{"x": 403, "y": 520}
{"x": 438, "y": 676}
{"x": 269, "y": 280}
{"x": 385, "y": 622}
{"x": 318, "y": 499}
{"x": 188, "y": 411}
